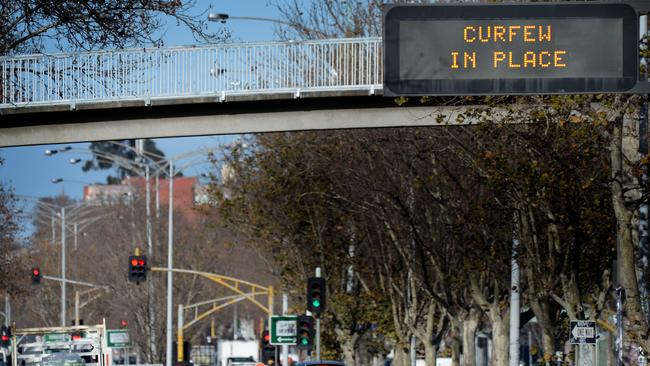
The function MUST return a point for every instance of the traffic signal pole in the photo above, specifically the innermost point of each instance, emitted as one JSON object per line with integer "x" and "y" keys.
{"x": 179, "y": 337}
{"x": 318, "y": 325}
{"x": 285, "y": 348}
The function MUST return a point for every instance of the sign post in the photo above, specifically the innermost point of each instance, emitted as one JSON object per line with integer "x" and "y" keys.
{"x": 488, "y": 49}
{"x": 282, "y": 330}
{"x": 583, "y": 334}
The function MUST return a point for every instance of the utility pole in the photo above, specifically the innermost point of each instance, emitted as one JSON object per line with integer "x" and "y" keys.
{"x": 63, "y": 283}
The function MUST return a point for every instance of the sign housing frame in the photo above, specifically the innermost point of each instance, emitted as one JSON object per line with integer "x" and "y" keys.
{"x": 628, "y": 82}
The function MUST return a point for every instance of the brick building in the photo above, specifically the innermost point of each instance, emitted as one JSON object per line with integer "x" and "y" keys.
{"x": 187, "y": 193}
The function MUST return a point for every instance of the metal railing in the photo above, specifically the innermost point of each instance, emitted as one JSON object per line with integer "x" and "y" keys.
{"x": 196, "y": 71}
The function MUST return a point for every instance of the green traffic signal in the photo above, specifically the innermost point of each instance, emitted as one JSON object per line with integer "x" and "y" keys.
{"x": 305, "y": 325}
{"x": 316, "y": 295}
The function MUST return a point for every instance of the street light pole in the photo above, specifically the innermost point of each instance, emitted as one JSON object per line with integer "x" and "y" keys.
{"x": 170, "y": 247}
{"x": 7, "y": 311}
{"x": 53, "y": 229}
{"x": 75, "y": 236}
{"x": 152, "y": 315}
{"x": 221, "y": 17}
{"x": 63, "y": 283}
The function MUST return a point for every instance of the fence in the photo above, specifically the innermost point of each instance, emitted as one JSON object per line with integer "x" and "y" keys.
{"x": 211, "y": 70}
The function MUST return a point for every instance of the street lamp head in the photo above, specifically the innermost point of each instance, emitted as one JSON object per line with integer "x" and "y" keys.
{"x": 51, "y": 152}
{"x": 218, "y": 17}
{"x": 75, "y": 161}
{"x": 57, "y": 180}
{"x": 65, "y": 148}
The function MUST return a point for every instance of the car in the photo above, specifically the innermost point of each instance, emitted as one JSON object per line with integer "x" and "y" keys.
{"x": 32, "y": 354}
{"x": 320, "y": 363}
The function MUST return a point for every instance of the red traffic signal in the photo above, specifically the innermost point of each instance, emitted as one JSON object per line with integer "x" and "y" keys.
{"x": 123, "y": 323}
{"x": 137, "y": 268}
{"x": 36, "y": 275}
{"x": 5, "y": 336}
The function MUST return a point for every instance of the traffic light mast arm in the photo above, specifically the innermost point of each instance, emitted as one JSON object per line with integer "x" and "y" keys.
{"x": 218, "y": 299}
{"x": 90, "y": 291}
{"x": 81, "y": 283}
{"x": 232, "y": 284}
{"x": 212, "y": 310}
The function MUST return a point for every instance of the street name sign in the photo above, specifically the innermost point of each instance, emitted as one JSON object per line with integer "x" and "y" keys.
{"x": 535, "y": 48}
{"x": 582, "y": 332}
{"x": 118, "y": 338}
{"x": 282, "y": 329}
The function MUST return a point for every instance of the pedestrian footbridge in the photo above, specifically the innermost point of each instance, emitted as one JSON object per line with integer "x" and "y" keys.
{"x": 219, "y": 72}
{"x": 196, "y": 90}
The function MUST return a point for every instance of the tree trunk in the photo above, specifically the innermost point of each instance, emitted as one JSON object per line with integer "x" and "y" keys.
{"x": 626, "y": 263}
{"x": 430, "y": 353}
{"x": 500, "y": 342}
{"x": 349, "y": 353}
{"x": 455, "y": 353}
{"x": 469, "y": 337}
{"x": 548, "y": 346}
{"x": 401, "y": 356}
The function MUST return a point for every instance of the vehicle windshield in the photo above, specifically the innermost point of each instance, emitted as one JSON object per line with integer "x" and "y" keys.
{"x": 241, "y": 359}
{"x": 32, "y": 351}
{"x": 82, "y": 348}
{"x": 56, "y": 350}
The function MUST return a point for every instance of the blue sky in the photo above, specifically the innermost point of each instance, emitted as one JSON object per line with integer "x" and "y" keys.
{"x": 29, "y": 171}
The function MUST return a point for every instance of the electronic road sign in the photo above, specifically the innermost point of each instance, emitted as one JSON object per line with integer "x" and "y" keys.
{"x": 535, "y": 48}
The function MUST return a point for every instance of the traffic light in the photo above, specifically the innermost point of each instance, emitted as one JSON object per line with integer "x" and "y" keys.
{"x": 268, "y": 350}
{"x": 36, "y": 275}
{"x": 305, "y": 326}
{"x": 137, "y": 268}
{"x": 316, "y": 299}
{"x": 5, "y": 336}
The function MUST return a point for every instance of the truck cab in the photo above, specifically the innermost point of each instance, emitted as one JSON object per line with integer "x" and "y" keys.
{"x": 240, "y": 361}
